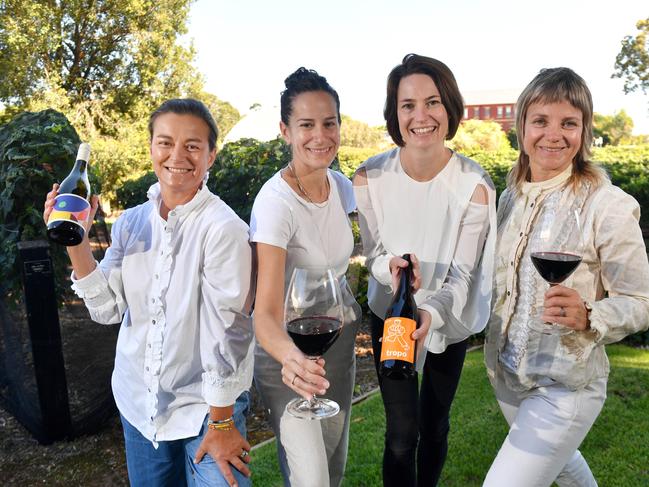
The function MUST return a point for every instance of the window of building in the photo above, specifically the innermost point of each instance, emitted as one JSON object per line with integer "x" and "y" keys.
{"x": 499, "y": 112}
{"x": 487, "y": 113}
{"x": 466, "y": 112}
{"x": 476, "y": 112}
{"x": 508, "y": 111}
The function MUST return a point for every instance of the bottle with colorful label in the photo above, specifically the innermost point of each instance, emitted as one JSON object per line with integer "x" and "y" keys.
{"x": 67, "y": 222}
{"x": 398, "y": 349}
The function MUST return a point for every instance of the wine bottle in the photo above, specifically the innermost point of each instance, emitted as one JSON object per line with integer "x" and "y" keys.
{"x": 67, "y": 222}
{"x": 398, "y": 350}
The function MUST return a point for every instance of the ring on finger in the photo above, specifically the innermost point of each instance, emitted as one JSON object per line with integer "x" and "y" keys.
{"x": 244, "y": 454}
{"x": 293, "y": 381}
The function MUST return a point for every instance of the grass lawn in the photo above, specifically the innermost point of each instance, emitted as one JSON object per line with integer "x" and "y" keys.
{"x": 617, "y": 448}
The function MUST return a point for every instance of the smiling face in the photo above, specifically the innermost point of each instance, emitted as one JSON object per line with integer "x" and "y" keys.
{"x": 423, "y": 121}
{"x": 552, "y": 138}
{"x": 180, "y": 154}
{"x": 313, "y": 131}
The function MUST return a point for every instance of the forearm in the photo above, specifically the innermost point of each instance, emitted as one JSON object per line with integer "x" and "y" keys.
{"x": 272, "y": 336}
{"x": 82, "y": 259}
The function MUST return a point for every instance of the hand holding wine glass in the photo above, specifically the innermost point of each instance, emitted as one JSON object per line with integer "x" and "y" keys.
{"x": 313, "y": 314}
{"x": 556, "y": 252}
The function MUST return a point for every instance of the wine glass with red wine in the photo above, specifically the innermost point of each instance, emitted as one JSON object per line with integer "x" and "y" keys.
{"x": 313, "y": 314}
{"x": 556, "y": 251}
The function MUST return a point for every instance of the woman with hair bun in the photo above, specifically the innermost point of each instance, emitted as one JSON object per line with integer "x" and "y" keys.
{"x": 300, "y": 219}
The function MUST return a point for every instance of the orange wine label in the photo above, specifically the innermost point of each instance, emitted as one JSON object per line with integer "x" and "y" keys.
{"x": 396, "y": 343}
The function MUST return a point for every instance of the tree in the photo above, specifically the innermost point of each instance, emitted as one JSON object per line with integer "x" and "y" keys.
{"x": 224, "y": 113}
{"x": 114, "y": 58}
{"x": 614, "y": 129}
{"x": 354, "y": 133}
{"x": 632, "y": 63}
{"x": 484, "y": 135}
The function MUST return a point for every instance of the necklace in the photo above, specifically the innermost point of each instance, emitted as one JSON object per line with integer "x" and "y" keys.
{"x": 303, "y": 191}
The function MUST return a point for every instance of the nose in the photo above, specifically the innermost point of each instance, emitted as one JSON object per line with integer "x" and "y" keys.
{"x": 421, "y": 111}
{"x": 177, "y": 152}
{"x": 553, "y": 132}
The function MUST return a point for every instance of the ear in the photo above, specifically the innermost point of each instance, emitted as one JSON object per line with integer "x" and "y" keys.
{"x": 283, "y": 129}
{"x": 213, "y": 154}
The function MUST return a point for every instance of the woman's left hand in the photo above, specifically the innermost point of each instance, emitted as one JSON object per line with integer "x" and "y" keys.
{"x": 564, "y": 306}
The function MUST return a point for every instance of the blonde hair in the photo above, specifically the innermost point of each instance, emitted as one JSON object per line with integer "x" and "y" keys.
{"x": 555, "y": 85}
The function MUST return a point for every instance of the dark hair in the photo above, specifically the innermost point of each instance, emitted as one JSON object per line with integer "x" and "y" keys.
{"x": 445, "y": 82}
{"x": 555, "y": 85}
{"x": 187, "y": 106}
{"x": 302, "y": 81}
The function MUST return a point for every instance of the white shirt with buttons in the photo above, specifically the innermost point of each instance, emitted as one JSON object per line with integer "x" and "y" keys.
{"x": 180, "y": 289}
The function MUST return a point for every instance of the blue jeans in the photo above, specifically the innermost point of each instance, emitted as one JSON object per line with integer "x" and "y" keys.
{"x": 172, "y": 463}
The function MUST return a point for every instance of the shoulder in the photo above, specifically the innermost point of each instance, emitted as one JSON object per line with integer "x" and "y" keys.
{"x": 220, "y": 217}
{"x": 345, "y": 190}
{"x": 469, "y": 166}
{"x": 608, "y": 198}
{"x": 380, "y": 160}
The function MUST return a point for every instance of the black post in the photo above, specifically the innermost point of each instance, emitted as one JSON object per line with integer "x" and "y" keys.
{"x": 45, "y": 333}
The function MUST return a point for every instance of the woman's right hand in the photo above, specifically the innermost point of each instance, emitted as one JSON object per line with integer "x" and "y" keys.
{"x": 305, "y": 376}
{"x": 397, "y": 263}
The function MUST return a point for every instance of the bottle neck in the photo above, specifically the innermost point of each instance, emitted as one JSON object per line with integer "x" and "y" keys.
{"x": 80, "y": 166}
{"x": 406, "y": 278}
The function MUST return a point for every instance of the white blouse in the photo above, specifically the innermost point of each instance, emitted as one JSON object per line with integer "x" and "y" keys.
{"x": 451, "y": 237}
{"x": 180, "y": 289}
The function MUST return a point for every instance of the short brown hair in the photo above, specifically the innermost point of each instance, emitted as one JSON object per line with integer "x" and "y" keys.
{"x": 443, "y": 79}
{"x": 187, "y": 106}
{"x": 555, "y": 85}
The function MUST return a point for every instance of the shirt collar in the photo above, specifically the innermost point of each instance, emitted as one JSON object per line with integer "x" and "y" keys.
{"x": 201, "y": 195}
{"x": 541, "y": 186}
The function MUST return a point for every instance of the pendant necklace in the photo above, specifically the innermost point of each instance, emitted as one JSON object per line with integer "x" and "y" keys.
{"x": 303, "y": 191}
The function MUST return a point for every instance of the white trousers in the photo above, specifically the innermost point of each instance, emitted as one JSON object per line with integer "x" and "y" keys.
{"x": 547, "y": 425}
{"x": 311, "y": 453}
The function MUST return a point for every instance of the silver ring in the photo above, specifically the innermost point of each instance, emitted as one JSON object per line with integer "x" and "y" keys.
{"x": 244, "y": 454}
{"x": 563, "y": 312}
{"x": 293, "y": 381}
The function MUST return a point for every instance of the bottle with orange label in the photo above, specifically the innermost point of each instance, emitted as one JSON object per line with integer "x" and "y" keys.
{"x": 398, "y": 349}
{"x": 66, "y": 224}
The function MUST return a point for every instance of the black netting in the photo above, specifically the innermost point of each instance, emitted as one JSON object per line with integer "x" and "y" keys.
{"x": 88, "y": 351}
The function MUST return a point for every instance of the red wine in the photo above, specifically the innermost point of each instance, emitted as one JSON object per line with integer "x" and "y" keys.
{"x": 555, "y": 267}
{"x": 314, "y": 335}
{"x": 398, "y": 349}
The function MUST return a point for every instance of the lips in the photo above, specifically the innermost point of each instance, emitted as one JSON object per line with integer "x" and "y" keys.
{"x": 178, "y": 170}
{"x": 423, "y": 130}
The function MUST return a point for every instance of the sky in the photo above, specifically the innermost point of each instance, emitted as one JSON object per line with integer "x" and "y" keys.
{"x": 246, "y": 48}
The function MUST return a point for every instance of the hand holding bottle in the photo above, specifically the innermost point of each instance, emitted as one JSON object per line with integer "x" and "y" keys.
{"x": 49, "y": 206}
{"x": 397, "y": 264}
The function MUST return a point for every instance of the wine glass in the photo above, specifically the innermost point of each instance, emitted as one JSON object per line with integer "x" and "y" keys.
{"x": 556, "y": 252}
{"x": 313, "y": 314}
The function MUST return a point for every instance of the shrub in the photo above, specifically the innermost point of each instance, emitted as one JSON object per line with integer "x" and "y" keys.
{"x": 36, "y": 149}
{"x": 133, "y": 191}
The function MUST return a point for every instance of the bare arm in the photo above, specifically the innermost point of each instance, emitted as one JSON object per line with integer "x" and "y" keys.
{"x": 304, "y": 376}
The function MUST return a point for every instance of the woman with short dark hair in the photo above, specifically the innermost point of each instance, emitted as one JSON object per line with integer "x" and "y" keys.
{"x": 424, "y": 199}
{"x": 177, "y": 276}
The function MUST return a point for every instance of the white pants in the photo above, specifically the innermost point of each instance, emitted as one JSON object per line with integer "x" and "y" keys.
{"x": 311, "y": 453}
{"x": 547, "y": 425}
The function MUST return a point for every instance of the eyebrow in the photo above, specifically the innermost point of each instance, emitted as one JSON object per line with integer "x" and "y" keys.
{"x": 168, "y": 137}
{"x": 333, "y": 117}
{"x": 431, "y": 97}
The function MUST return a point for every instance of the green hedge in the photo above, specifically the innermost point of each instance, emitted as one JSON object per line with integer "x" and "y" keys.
{"x": 36, "y": 149}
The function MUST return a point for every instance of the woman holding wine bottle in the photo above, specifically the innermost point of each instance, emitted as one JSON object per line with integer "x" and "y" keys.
{"x": 177, "y": 276}
{"x": 300, "y": 220}
{"x": 426, "y": 200}
{"x": 545, "y": 344}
